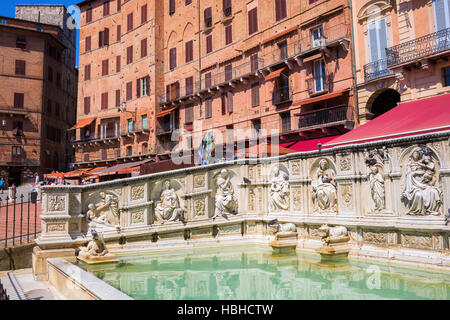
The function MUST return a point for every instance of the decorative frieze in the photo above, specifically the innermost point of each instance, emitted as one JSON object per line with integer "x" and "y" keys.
{"x": 422, "y": 241}
{"x": 56, "y": 203}
{"x": 137, "y": 192}
{"x": 199, "y": 181}
{"x": 56, "y": 227}
{"x": 346, "y": 196}
{"x": 138, "y": 217}
{"x": 296, "y": 198}
{"x": 200, "y": 207}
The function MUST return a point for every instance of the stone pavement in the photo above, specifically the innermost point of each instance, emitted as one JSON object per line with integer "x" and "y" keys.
{"x": 20, "y": 285}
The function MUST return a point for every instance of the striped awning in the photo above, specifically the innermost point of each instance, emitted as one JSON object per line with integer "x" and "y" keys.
{"x": 274, "y": 74}
{"x": 165, "y": 112}
{"x": 83, "y": 123}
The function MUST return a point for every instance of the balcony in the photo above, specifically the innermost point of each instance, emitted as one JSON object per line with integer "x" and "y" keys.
{"x": 332, "y": 36}
{"x": 109, "y": 136}
{"x": 237, "y": 73}
{"x": 164, "y": 130}
{"x": 327, "y": 116}
{"x": 282, "y": 95}
{"x": 134, "y": 129}
{"x": 376, "y": 69}
{"x": 282, "y": 54}
{"x": 428, "y": 46}
{"x": 179, "y": 94}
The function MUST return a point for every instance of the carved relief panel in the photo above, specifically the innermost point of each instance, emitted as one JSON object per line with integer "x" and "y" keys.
{"x": 138, "y": 192}
{"x": 56, "y": 203}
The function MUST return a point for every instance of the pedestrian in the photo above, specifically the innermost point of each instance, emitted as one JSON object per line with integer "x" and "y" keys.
{"x": 13, "y": 191}
{"x": 2, "y": 184}
{"x": 36, "y": 178}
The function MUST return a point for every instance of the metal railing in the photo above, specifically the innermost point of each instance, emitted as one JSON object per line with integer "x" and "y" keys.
{"x": 419, "y": 48}
{"x": 181, "y": 92}
{"x": 325, "y": 116}
{"x": 3, "y": 294}
{"x": 19, "y": 218}
{"x": 376, "y": 69}
{"x": 165, "y": 129}
{"x": 281, "y": 54}
{"x": 281, "y": 95}
{"x": 235, "y": 73}
{"x": 331, "y": 34}
{"x": 135, "y": 128}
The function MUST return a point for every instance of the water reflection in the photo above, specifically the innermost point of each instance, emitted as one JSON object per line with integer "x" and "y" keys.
{"x": 254, "y": 273}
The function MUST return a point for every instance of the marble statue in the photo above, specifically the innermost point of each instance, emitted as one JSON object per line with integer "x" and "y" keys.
{"x": 104, "y": 215}
{"x": 376, "y": 182}
{"x": 225, "y": 199}
{"x": 279, "y": 191}
{"x": 282, "y": 227}
{"x": 333, "y": 234}
{"x": 420, "y": 195}
{"x": 168, "y": 208}
{"x": 95, "y": 248}
{"x": 324, "y": 188}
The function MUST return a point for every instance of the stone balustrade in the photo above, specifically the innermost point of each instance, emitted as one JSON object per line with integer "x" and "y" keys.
{"x": 389, "y": 194}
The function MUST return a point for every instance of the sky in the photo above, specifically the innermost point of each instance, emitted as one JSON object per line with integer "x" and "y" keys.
{"x": 7, "y": 8}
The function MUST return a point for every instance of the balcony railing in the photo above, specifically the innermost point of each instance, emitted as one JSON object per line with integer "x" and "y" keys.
{"x": 419, "y": 48}
{"x": 317, "y": 85}
{"x": 281, "y": 95}
{"x": 136, "y": 128}
{"x": 331, "y": 35}
{"x": 376, "y": 69}
{"x": 325, "y": 116}
{"x": 237, "y": 72}
{"x": 162, "y": 130}
{"x": 179, "y": 93}
{"x": 113, "y": 134}
{"x": 282, "y": 53}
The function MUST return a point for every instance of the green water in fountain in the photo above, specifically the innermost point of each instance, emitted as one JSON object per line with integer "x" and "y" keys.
{"x": 255, "y": 273}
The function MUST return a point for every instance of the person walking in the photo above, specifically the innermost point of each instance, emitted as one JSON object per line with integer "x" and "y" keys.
{"x": 2, "y": 184}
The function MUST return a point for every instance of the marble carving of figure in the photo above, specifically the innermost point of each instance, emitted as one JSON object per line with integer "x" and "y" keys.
{"x": 168, "y": 208}
{"x": 95, "y": 248}
{"x": 104, "y": 214}
{"x": 420, "y": 194}
{"x": 376, "y": 183}
{"x": 324, "y": 188}
{"x": 225, "y": 200}
{"x": 279, "y": 191}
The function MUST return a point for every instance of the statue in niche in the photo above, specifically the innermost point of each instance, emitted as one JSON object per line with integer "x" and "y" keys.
{"x": 225, "y": 199}
{"x": 324, "y": 188}
{"x": 168, "y": 208}
{"x": 420, "y": 195}
{"x": 279, "y": 191}
{"x": 106, "y": 214}
{"x": 376, "y": 182}
{"x": 95, "y": 248}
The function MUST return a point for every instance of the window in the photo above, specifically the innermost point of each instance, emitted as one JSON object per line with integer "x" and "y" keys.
{"x": 104, "y": 100}
{"x": 257, "y": 127}
{"x": 208, "y": 81}
{"x": 285, "y": 121}
{"x": 227, "y": 8}
{"x": 223, "y": 99}
{"x": 130, "y": 22}
{"x": 104, "y": 154}
{"x": 143, "y": 14}
{"x": 106, "y": 37}
{"x": 442, "y": 16}
{"x": 18, "y": 100}
{"x": 318, "y": 37}
{"x": 143, "y": 86}
{"x": 227, "y": 102}
{"x": 101, "y": 38}
{"x": 20, "y": 67}
{"x": 173, "y": 91}
{"x": 255, "y": 94}
{"x": 280, "y": 9}
{"x": 57, "y": 109}
{"x": 4, "y": 22}
{"x": 21, "y": 42}
{"x": 89, "y": 15}
{"x": 118, "y": 153}
{"x": 87, "y": 105}
{"x": 144, "y": 148}
{"x": 118, "y": 98}
{"x": 253, "y": 21}
{"x": 189, "y": 54}
{"x": 171, "y": 7}
{"x": 50, "y": 74}
{"x": 283, "y": 50}
{"x": 447, "y": 77}
{"x": 144, "y": 122}
{"x": 118, "y": 61}
{"x": 129, "y": 54}
{"x": 129, "y": 91}
{"x": 87, "y": 44}
{"x": 86, "y": 157}
{"x": 129, "y": 151}
{"x": 378, "y": 40}
{"x": 187, "y": 2}
{"x": 228, "y": 34}
{"x": 119, "y": 32}
{"x": 208, "y": 17}
{"x": 189, "y": 113}
{"x": 49, "y": 106}
{"x": 209, "y": 43}
{"x": 208, "y": 108}
{"x": 228, "y": 72}
{"x": 130, "y": 125}
{"x": 173, "y": 58}
{"x": 143, "y": 48}
{"x": 87, "y": 72}
{"x": 119, "y": 5}
{"x": 17, "y": 151}
{"x": 254, "y": 63}
{"x": 319, "y": 76}
{"x": 105, "y": 67}
{"x": 189, "y": 86}
{"x": 58, "y": 79}
{"x": 106, "y": 8}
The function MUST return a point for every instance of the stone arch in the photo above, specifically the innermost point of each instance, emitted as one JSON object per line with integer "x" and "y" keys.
{"x": 172, "y": 40}
{"x": 159, "y": 186}
{"x": 188, "y": 32}
{"x": 373, "y": 7}
{"x": 382, "y": 101}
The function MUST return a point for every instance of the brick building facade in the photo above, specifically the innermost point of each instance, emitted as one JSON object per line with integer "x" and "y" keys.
{"x": 281, "y": 66}
{"x": 38, "y": 96}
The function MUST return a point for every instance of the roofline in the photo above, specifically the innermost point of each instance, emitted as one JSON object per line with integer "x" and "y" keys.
{"x": 36, "y": 32}
{"x": 33, "y": 22}
{"x": 84, "y": 2}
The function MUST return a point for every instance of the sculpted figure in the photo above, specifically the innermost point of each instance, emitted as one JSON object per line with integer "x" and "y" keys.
{"x": 109, "y": 207}
{"x": 94, "y": 217}
{"x": 95, "y": 248}
{"x": 376, "y": 182}
{"x": 324, "y": 188}
{"x": 225, "y": 200}
{"x": 282, "y": 227}
{"x": 168, "y": 208}
{"x": 420, "y": 194}
{"x": 333, "y": 234}
{"x": 279, "y": 191}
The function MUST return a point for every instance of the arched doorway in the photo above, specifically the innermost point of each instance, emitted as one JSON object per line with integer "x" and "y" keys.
{"x": 383, "y": 101}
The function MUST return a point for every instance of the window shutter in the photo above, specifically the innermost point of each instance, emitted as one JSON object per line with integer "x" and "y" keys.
{"x": 118, "y": 60}
{"x": 117, "y": 98}
{"x": 230, "y": 101}
{"x": 88, "y": 44}
{"x": 119, "y": 33}
{"x": 138, "y": 88}
{"x": 189, "y": 51}
{"x": 189, "y": 85}
{"x": 119, "y": 5}
{"x": 18, "y": 100}
{"x": 373, "y": 42}
{"x": 171, "y": 6}
{"x": 283, "y": 9}
{"x": 255, "y": 20}
{"x": 250, "y": 22}
{"x": 143, "y": 14}
{"x": 223, "y": 99}
{"x": 130, "y": 22}
{"x": 209, "y": 43}
{"x": 228, "y": 72}
{"x": 100, "y": 39}
{"x": 226, "y": 4}
{"x": 277, "y": 10}
{"x": 229, "y": 34}
{"x": 143, "y": 48}
{"x": 208, "y": 13}
{"x": 167, "y": 93}
{"x": 87, "y": 105}
{"x": 255, "y": 94}
{"x": 382, "y": 37}
{"x": 129, "y": 91}
{"x": 208, "y": 80}
{"x": 147, "y": 84}
{"x": 173, "y": 58}
{"x": 440, "y": 14}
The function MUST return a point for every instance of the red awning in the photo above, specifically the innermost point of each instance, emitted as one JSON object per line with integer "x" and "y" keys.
{"x": 320, "y": 98}
{"x": 407, "y": 119}
{"x": 165, "y": 112}
{"x": 76, "y": 173}
{"x": 308, "y": 145}
{"x": 274, "y": 74}
{"x": 83, "y": 123}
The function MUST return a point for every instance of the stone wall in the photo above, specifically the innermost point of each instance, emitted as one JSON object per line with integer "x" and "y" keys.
{"x": 390, "y": 195}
